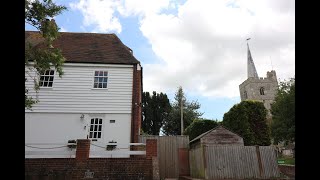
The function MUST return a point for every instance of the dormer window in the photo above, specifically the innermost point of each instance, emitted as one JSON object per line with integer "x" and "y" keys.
{"x": 46, "y": 78}
{"x": 261, "y": 91}
{"x": 100, "y": 79}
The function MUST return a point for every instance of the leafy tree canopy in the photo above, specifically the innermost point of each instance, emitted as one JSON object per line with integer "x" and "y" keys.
{"x": 37, "y": 14}
{"x": 248, "y": 119}
{"x": 155, "y": 111}
{"x": 172, "y": 126}
{"x": 283, "y": 113}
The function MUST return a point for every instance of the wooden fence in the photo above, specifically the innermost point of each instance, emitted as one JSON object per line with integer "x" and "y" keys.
{"x": 239, "y": 162}
{"x": 168, "y": 149}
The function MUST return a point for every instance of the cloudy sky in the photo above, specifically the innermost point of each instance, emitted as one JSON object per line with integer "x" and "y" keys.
{"x": 197, "y": 44}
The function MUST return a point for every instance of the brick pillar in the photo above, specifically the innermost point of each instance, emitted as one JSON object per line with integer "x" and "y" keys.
{"x": 136, "y": 103}
{"x": 83, "y": 149}
{"x": 151, "y": 148}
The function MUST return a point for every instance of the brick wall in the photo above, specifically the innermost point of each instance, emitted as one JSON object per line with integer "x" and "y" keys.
{"x": 133, "y": 168}
{"x": 103, "y": 168}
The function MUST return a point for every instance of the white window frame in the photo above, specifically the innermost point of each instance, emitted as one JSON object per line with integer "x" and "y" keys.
{"x": 50, "y": 75}
{"x": 94, "y": 76}
{"x": 93, "y": 128}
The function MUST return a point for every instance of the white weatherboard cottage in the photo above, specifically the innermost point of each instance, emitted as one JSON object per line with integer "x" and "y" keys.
{"x": 98, "y": 97}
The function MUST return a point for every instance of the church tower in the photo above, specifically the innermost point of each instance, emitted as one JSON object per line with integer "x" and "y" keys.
{"x": 261, "y": 89}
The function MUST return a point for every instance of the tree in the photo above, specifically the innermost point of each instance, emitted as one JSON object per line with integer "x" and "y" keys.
{"x": 199, "y": 126}
{"x": 283, "y": 113}
{"x": 37, "y": 14}
{"x": 248, "y": 119}
{"x": 155, "y": 111}
{"x": 173, "y": 125}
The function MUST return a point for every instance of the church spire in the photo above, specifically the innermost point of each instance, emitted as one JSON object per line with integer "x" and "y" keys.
{"x": 252, "y": 72}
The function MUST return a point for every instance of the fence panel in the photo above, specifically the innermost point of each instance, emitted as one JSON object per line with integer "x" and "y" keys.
{"x": 168, "y": 153}
{"x": 269, "y": 161}
{"x": 196, "y": 162}
{"x": 240, "y": 162}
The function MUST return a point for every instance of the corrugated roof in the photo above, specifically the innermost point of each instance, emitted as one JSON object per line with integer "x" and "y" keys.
{"x": 88, "y": 47}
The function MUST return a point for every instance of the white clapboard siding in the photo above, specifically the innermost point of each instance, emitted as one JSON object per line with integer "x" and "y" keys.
{"x": 74, "y": 92}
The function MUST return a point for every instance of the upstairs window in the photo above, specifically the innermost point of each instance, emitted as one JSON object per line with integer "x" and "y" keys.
{"x": 46, "y": 78}
{"x": 261, "y": 91}
{"x": 100, "y": 79}
{"x": 95, "y": 128}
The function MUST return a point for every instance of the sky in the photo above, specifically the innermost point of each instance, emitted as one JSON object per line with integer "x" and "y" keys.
{"x": 199, "y": 45}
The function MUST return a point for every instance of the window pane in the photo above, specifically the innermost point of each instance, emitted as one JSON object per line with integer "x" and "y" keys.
{"x": 41, "y": 78}
{"x": 96, "y": 73}
{"x": 92, "y": 121}
{"x": 95, "y": 85}
{"x": 96, "y": 122}
{"x": 95, "y": 127}
{"x": 50, "y": 84}
{"x": 45, "y": 84}
{"x": 90, "y": 136}
{"x": 100, "y": 73}
{"x": 99, "y": 134}
{"x": 91, "y": 127}
{"x": 100, "y": 121}
{"x": 95, "y": 135}
{"x": 46, "y": 78}
{"x": 51, "y": 78}
{"x": 105, "y": 79}
{"x": 96, "y": 79}
{"x": 104, "y": 85}
{"x": 100, "y": 79}
{"x": 100, "y": 85}
{"x": 51, "y": 72}
{"x": 41, "y": 83}
{"x": 47, "y": 72}
{"x": 99, "y": 128}
{"x": 105, "y": 73}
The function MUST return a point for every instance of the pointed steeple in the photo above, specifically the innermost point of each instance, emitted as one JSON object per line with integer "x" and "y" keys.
{"x": 252, "y": 72}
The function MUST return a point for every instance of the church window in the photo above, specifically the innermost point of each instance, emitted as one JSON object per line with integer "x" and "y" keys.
{"x": 262, "y": 91}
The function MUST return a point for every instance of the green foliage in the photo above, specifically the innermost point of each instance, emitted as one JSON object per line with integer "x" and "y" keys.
{"x": 248, "y": 119}
{"x": 37, "y": 14}
{"x": 199, "y": 126}
{"x": 287, "y": 160}
{"x": 155, "y": 111}
{"x": 283, "y": 113}
{"x": 172, "y": 126}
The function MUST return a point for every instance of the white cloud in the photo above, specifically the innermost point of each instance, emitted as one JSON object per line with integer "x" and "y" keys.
{"x": 99, "y": 13}
{"x": 203, "y": 46}
{"x": 62, "y": 29}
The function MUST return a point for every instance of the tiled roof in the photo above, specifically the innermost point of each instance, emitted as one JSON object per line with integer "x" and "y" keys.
{"x": 205, "y": 133}
{"x": 88, "y": 47}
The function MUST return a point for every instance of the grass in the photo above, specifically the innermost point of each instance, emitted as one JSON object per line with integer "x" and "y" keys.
{"x": 286, "y": 160}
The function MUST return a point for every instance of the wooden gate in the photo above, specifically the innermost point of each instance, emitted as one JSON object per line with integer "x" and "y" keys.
{"x": 168, "y": 154}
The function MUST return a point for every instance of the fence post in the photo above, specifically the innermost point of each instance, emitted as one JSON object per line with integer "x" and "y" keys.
{"x": 259, "y": 161}
{"x": 204, "y": 155}
{"x": 83, "y": 149}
